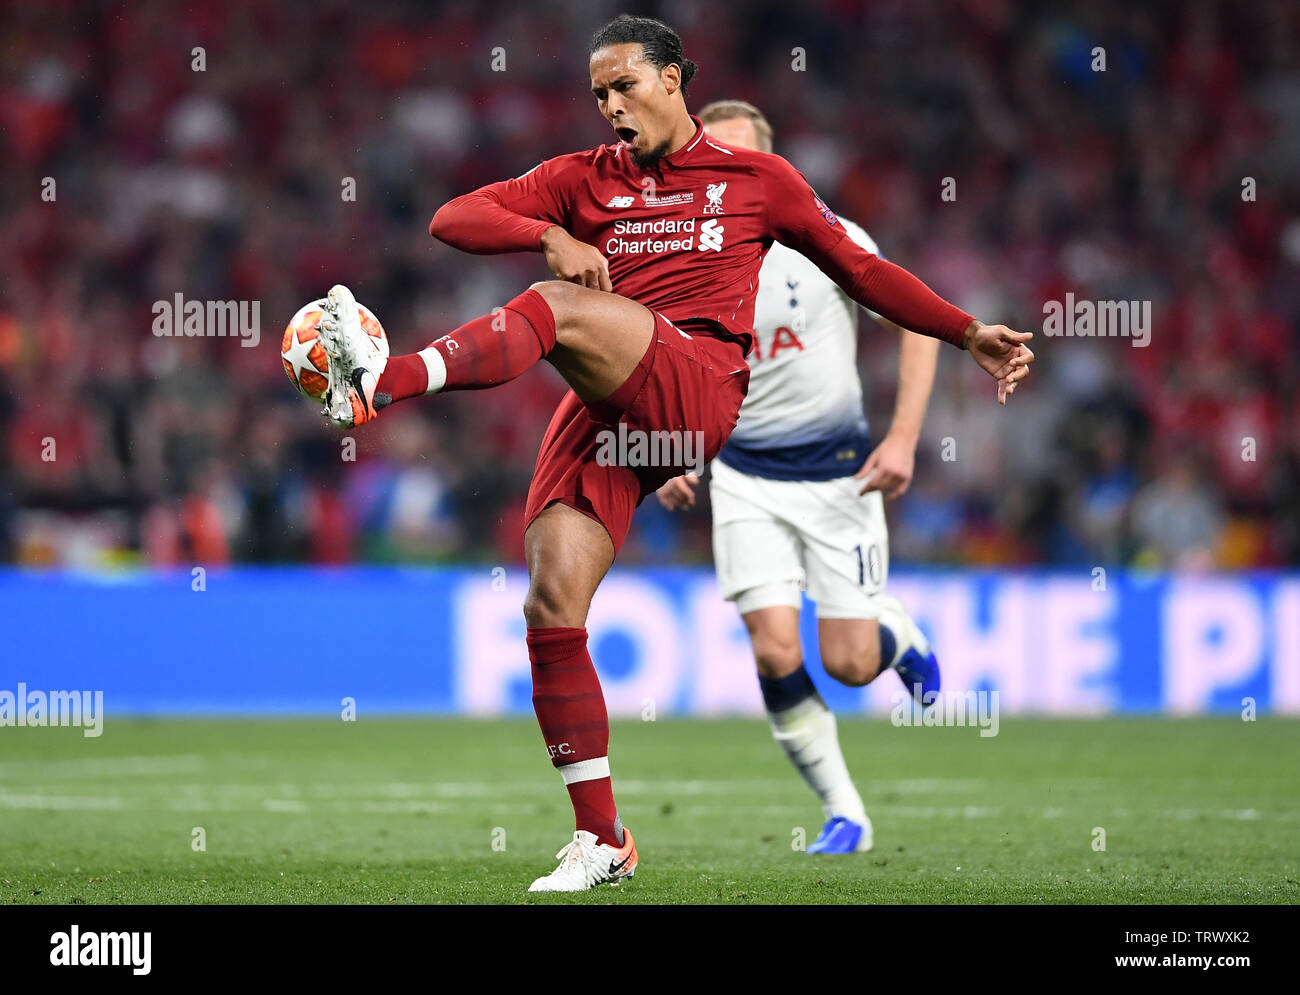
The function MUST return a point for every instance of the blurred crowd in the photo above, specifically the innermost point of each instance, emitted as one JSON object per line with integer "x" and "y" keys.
{"x": 207, "y": 148}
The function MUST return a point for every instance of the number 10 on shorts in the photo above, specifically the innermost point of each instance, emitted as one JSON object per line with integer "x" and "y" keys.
{"x": 868, "y": 566}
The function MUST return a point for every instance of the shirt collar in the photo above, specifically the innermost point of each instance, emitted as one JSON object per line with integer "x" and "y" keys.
{"x": 678, "y": 157}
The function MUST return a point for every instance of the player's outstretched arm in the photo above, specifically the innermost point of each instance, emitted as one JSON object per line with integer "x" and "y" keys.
{"x": 799, "y": 219}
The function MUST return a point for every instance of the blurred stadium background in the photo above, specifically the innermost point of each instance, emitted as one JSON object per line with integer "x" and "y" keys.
{"x": 225, "y": 184}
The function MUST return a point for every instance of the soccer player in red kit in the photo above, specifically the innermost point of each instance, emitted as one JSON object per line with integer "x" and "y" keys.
{"x": 656, "y": 242}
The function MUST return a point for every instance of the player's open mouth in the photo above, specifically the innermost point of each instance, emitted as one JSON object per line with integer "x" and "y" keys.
{"x": 626, "y": 135}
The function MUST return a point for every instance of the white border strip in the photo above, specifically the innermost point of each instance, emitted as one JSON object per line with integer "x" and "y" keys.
{"x": 585, "y": 770}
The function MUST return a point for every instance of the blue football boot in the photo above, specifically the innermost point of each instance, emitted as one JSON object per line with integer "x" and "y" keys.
{"x": 841, "y": 835}
{"x": 918, "y": 667}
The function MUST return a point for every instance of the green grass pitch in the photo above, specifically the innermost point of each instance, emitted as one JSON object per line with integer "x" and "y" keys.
{"x": 442, "y": 810}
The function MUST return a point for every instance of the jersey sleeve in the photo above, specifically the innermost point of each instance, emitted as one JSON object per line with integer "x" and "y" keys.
{"x": 511, "y": 215}
{"x": 798, "y": 218}
{"x": 859, "y": 235}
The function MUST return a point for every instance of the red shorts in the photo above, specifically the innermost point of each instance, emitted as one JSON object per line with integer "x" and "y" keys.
{"x": 683, "y": 384}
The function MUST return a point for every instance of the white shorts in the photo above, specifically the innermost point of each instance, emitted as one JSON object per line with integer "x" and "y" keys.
{"x": 773, "y": 539}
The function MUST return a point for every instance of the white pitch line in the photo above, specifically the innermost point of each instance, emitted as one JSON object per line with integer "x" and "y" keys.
{"x": 927, "y": 785}
{"x": 542, "y": 785}
{"x": 103, "y": 767}
{"x": 693, "y": 810}
{"x": 729, "y": 787}
{"x": 472, "y": 796}
{"x": 915, "y": 812}
{"x": 406, "y": 807}
{"x": 283, "y": 805}
{"x": 62, "y": 803}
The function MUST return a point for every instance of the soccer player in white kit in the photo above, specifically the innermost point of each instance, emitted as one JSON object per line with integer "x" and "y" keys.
{"x": 797, "y": 505}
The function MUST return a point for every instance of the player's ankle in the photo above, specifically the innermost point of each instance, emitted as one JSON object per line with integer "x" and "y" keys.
{"x": 412, "y": 375}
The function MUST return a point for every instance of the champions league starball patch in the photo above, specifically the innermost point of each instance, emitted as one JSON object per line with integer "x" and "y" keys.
{"x": 827, "y": 213}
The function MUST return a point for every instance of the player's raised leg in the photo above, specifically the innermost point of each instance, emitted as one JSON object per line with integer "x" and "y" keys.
{"x": 593, "y": 338}
{"x": 568, "y": 554}
{"x": 862, "y": 630}
{"x": 856, "y": 650}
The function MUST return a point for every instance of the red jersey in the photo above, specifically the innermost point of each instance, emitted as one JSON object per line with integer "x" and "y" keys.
{"x": 687, "y": 236}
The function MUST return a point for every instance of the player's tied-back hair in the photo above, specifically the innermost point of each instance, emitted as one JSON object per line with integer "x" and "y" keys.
{"x": 658, "y": 41}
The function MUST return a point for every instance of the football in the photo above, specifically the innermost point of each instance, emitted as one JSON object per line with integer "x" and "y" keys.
{"x": 303, "y": 354}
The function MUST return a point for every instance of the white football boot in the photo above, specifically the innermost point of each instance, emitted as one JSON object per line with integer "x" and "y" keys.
{"x": 584, "y": 863}
{"x": 356, "y": 361}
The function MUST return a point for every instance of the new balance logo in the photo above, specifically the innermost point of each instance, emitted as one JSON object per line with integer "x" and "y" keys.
{"x": 711, "y": 235}
{"x": 622, "y": 201}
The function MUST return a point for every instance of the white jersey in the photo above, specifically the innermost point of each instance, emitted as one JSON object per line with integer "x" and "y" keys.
{"x": 802, "y": 418}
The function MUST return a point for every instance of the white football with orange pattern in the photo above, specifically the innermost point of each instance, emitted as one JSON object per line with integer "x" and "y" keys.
{"x": 303, "y": 354}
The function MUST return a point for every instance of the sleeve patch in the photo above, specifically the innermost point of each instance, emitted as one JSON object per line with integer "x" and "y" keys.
{"x": 827, "y": 213}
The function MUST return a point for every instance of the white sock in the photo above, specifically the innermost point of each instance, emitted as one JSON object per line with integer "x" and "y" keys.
{"x": 437, "y": 368}
{"x": 807, "y": 733}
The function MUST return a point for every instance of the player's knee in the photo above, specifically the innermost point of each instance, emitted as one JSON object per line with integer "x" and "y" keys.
{"x": 560, "y": 295}
{"x": 551, "y": 602}
{"x": 548, "y": 287}
{"x": 852, "y": 664}
{"x": 777, "y": 656}
{"x": 571, "y": 307}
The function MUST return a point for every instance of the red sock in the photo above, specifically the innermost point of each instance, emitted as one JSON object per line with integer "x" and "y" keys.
{"x": 485, "y": 352}
{"x": 571, "y": 711}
